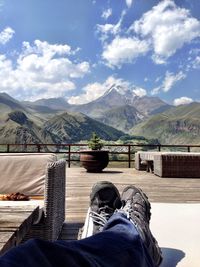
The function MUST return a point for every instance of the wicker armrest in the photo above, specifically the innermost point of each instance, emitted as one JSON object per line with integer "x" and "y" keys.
{"x": 54, "y": 206}
{"x": 51, "y": 223}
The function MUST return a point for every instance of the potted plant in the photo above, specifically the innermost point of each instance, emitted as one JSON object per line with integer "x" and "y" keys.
{"x": 95, "y": 159}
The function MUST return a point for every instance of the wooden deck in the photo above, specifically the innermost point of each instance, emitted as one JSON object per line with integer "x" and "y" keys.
{"x": 79, "y": 184}
{"x": 15, "y": 222}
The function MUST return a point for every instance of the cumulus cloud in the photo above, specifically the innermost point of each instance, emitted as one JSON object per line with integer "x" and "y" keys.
{"x": 169, "y": 81}
{"x": 44, "y": 48}
{"x": 106, "y": 13}
{"x": 140, "y": 91}
{"x": 93, "y": 91}
{"x": 6, "y": 35}
{"x": 162, "y": 30}
{"x": 168, "y": 27}
{"x": 124, "y": 50}
{"x": 42, "y": 71}
{"x": 182, "y": 101}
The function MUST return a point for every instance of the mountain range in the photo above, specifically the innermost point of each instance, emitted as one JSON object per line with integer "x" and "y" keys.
{"x": 115, "y": 107}
{"x": 178, "y": 125}
{"x": 117, "y": 112}
{"x": 30, "y": 123}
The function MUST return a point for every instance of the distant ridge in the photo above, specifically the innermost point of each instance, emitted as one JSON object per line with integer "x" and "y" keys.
{"x": 7, "y": 103}
{"x": 115, "y": 113}
{"x": 178, "y": 125}
{"x": 53, "y": 103}
{"x": 73, "y": 127}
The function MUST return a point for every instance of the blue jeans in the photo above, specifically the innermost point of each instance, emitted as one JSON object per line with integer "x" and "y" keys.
{"x": 118, "y": 245}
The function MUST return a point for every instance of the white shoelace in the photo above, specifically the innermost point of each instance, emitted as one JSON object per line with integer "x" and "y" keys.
{"x": 102, "y": 217}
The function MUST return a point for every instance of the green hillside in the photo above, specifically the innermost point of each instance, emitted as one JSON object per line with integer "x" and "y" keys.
{"x": 179, "y": 125}
{"x": 16, "y": 127}
{"x": 73, "y": 127}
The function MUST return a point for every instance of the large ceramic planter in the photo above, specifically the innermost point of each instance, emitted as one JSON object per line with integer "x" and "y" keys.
{"x": 94, "y": 160}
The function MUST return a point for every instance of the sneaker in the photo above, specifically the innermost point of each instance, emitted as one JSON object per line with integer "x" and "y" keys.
{"x": 137, "y": 207}
{"x": 104, "y": 200}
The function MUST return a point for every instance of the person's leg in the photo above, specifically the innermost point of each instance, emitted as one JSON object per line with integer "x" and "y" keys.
{"x": 119, "y": 244}
{"x": 104, "y": 199}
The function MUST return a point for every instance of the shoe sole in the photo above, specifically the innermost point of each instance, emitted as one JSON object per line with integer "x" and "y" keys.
{"x": 88, "y": 227}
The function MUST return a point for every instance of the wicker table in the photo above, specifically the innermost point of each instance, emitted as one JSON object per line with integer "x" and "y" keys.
{"x": 15, "y": 222}
{"x": 169, "y": 164}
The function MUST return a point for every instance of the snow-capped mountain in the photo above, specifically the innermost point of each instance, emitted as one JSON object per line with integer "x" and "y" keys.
{"x": 117, "y": 106}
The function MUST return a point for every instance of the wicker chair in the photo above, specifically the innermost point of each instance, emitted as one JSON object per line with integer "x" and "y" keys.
{"x": 51, "y": 186}
{"x": 53, "y": 217}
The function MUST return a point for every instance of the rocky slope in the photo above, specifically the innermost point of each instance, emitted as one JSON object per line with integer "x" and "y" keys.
{"x": 73, "y": 127}
{"x": 17, "y": 127}
{"x": 122, "y": 117}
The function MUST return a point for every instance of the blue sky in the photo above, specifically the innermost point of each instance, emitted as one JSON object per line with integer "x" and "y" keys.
{"x": 77, "y": 49}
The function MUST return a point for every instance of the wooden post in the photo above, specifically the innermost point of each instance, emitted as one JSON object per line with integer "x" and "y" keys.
{"x": 38, "y": 147}
{"x": 129, "y": 156}
{"x": 69, "y": 156}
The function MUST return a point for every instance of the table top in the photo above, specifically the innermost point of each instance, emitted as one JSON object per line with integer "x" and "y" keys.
{"x": 15, "y": 221}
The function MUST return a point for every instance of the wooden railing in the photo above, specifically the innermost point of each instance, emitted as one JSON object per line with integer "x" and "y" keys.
{"x": 72, "y": 151}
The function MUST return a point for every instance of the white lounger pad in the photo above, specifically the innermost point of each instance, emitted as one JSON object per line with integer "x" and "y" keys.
{"x": 4, "y": 203}
{"x": 177, "y": 230}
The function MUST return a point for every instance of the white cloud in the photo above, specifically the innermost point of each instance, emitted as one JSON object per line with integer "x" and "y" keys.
{"x": 45, "y": 49}
{"x": 93, "y": 91}
{"x": 196, "y": 63}
{"x": 140, "y": 91}
{"x": 106, "y": 30}
{"x": 158, "y": 79}
{"x": 159, "y": 60}
{"x": 6, "y": 35}
{"x": 109, "y": 30}
{"x": 106, "y": 13}
{"x": 168, "y": 27}
{"x": 42, "y": 70}
{"x": 129, "y": 3}
{"x": 124, "y": 50}
{"x": 162, "y": 30}
{"x": 192, "y": 61}
{"x": 182, "y": 101}
{"x": 169, "y": 81}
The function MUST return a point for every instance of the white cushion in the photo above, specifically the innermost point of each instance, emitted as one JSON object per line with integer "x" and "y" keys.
{"x": 24, "y": 173}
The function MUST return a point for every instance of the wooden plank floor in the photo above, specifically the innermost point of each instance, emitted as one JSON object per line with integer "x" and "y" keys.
{"x": 79, "y": 184}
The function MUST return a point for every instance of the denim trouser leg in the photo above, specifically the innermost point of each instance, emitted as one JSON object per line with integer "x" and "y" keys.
{"x": 118, "y": 245}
